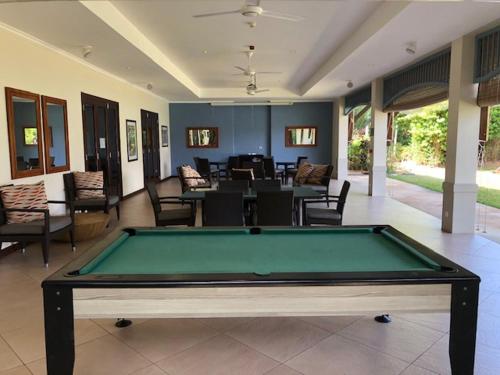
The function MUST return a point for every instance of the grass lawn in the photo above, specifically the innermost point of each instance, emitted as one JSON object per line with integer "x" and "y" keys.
{"x": 488, "y": 197}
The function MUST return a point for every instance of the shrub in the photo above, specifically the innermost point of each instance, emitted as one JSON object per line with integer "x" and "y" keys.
{"x": 358, "y": 154}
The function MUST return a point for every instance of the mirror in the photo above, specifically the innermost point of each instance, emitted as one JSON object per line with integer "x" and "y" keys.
{"x": 202, "y": 137}
{"x": 55, "y": 131}
{"x": 301, "y": 136}
{"x": 25, "y": 135}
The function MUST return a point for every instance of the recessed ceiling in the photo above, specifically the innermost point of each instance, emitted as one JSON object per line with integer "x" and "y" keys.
{"x": 186, "y": 58}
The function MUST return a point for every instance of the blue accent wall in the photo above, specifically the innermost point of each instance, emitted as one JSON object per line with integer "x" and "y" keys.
{"x": 302, "y": 114}
{"x": 247, "y": 129}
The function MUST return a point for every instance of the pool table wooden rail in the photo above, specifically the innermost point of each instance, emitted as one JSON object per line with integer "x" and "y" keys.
{"x": 259, "y": 301}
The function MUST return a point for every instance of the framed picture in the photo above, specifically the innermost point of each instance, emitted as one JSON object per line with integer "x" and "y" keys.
{"x": 132, "y": 147}
{"x": 30, "y": 136}
{"x": 164, "y": 136}
{"x": 207, "y": 137}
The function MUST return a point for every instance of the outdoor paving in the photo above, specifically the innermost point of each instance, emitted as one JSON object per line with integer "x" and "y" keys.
{"x": 431, "y": 202}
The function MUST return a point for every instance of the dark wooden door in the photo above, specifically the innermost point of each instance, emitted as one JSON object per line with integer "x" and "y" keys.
{"x": 150, "y": 145}
{"x": 101, "y": 134}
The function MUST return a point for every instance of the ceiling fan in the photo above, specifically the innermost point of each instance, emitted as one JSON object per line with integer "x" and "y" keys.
{"x": 252, "y": 86}
{"x": 249, "y": 71}
{"x": 253, "y": 9}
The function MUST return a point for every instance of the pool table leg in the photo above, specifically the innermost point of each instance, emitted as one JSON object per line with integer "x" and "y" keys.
{"x": 59, "y": 330}
{"x": 464, "y": 304}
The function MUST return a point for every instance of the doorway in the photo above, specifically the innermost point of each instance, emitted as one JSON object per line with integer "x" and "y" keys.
{"x": 150, "y": 145}
{"x": 101, "y": 134}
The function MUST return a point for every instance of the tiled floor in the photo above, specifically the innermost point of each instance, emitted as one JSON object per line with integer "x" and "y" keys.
{"x": 413, "y": 344}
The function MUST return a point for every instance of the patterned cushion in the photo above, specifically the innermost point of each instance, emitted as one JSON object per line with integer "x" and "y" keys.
{"x": 303, "y": 172}
{"x": 187, "y": 172}
{"x": 89, "y": 180}
{"x": 24, "y": 196}
{"x": 317, "y": 173}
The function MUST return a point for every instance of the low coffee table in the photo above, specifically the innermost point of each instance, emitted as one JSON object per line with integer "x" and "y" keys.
{"x": 88, "y": 225}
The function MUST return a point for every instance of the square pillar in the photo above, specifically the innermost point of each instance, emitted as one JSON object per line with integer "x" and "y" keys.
{"x": 459, "y": 186}
{"x": 339, "y": 140}
{"x": 378, "y": 142}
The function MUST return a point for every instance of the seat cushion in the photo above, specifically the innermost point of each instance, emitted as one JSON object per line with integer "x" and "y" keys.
{"x": 24, "y": 196}
{"x": 323, "y": 216}
{"x": 316, "y": 175}
{"x": 302, "y": 173}
{"x": 191, "y": 176}
{"x": 92, "y": 180}
{"x": 175, "y": 214}
{"x": 82, "y": 204}
{"x": 36, "y": 227}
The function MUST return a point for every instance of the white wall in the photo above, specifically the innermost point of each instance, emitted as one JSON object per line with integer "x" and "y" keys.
{"x": 30, "y": 66}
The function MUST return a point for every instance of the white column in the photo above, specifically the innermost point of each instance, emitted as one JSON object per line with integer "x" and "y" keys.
{"x": 339, "y": 140}
{"x": 459, "y": 187}
{"x": 378, "y": 142}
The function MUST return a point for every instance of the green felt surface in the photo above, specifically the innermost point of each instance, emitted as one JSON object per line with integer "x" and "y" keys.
{"x": 272, "y": 251}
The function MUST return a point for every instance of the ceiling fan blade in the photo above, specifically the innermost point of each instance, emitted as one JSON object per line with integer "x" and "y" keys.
{"x": 216, "y": 14}
{"x": 263, "y": 90}
{"x": 269, "y": 72}
{"x": 282, "y": 16}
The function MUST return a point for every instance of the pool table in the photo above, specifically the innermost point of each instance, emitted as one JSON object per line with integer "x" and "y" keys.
{"x": 258, "y": 272}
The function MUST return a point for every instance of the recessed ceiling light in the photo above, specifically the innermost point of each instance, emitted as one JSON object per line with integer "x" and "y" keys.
{"x": 205, "y": 51}
{"x": 350, "y": 85}
{"x": 149, "y": 86}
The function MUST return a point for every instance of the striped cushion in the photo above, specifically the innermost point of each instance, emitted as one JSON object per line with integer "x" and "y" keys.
{"x": 303, "y": 172}
{"x": 317, "y": 173}
{"x": 24, "y": 196}
{"x": 89, "y": 180}
{"x": 188, "y": 171}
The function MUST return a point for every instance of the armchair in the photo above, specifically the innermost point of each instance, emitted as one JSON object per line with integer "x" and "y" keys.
{"x": 42, "y": 230}
{"x": 90, "y": 204}
{"x": 185, "y": 215}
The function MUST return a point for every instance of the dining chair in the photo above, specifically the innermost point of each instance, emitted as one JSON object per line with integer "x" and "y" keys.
{"x": 256, "y": 166}
{"x": 223, "y": 208}
{"x": 267, "y": 185}
{"x": 185, "y": 214}
{"x": 326, "y": 216}
{"x": 275, "y": 208}
{"x": 234, "y": 185}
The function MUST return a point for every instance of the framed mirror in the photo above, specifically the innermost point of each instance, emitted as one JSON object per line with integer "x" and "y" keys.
{"x": 301, "y": 136}
{"x": 55, "y": 134}
{"x": 202, "y": 137}
{"x": 25, "y": 133}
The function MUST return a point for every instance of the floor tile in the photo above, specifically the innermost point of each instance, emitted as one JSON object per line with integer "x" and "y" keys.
{"x": 283, "y": 370}
{"x": 414, "y": 370}
{"x": 400, "y": 338}
{"x": 331, "y": 323}
{"x": 437, "y": 321}
{"x": 436, "y": 358}
{"x": 220, "y": 355}
{"x": 487, "y": 361}
{"x": 16, "y": 371}
{"x": 29, "y": 341}
{"x": 279, "y": 338}
{"x": 150, "y": 370}
{"x": 103, "y": 356}
{"x": 338, "y": 355}
{"x": 224, "y": 324}
{"x": 491, "y": 305}
{"x": 8, "y": 358}
{"x": 488, "y": 330}
{"x": 159, "y": 338}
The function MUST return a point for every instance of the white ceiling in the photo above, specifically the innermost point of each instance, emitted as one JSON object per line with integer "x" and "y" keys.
{"x": 186, "y": 58}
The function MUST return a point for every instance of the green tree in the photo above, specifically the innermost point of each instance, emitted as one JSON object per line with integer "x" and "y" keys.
{"x": 425, "y": 133}
{"x": 494, "y": 129}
